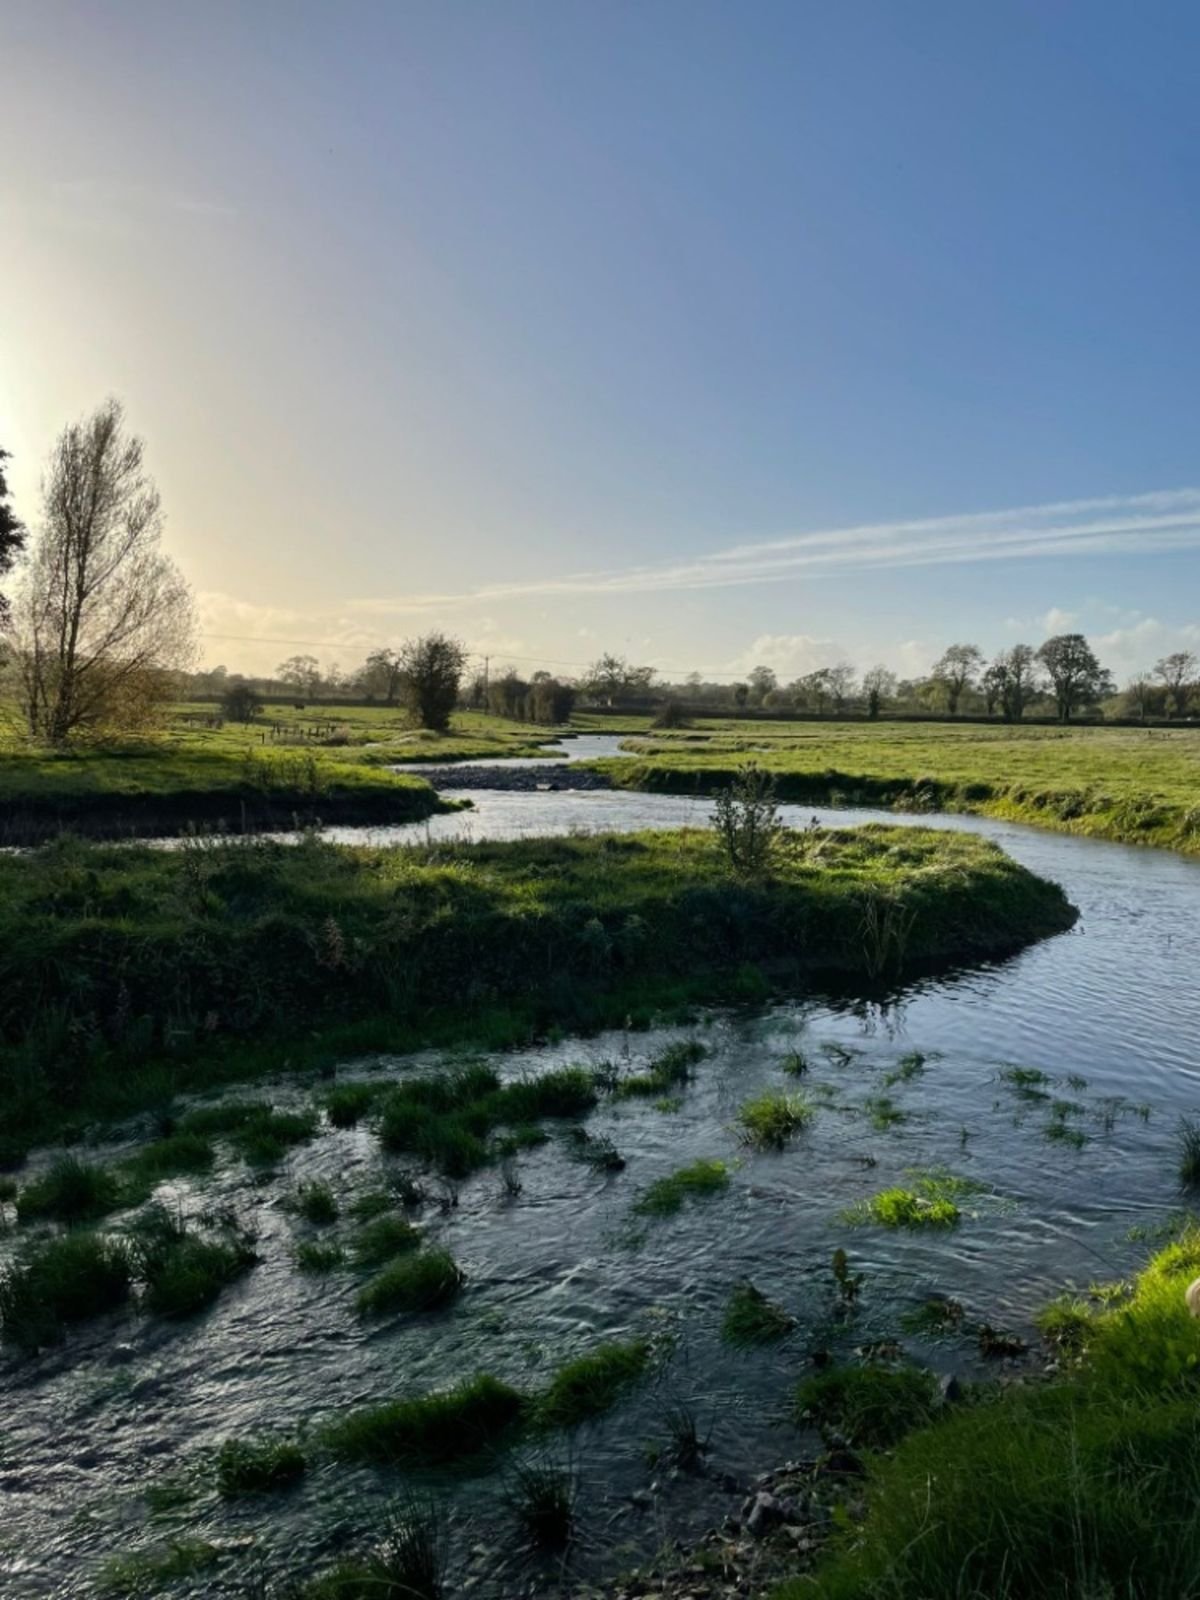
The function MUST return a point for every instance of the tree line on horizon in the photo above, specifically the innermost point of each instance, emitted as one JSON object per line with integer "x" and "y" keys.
{"x": 102, "y": 633}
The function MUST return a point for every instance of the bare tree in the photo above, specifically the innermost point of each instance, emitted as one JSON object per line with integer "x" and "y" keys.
{"x": 878, "y": 685}
{"x": 433, "y": 666}
{"x": 1177, "y": 673}
{"x": 956, "y": 672}
{"x": 104, "y": 619}
{"x": 301, "y": 673}
{"x": 12, "y": 536}
{"x": 840, "y": 678}
{"x": 382, "y": 676}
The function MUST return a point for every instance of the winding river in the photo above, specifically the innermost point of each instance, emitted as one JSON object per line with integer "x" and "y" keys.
{"x": 1110, "y": 1012}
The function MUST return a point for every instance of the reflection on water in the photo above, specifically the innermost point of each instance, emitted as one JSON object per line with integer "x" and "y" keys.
{"x": 556, "y": 1270}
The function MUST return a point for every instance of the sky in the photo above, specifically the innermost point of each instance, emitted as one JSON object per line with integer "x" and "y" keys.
{"x": 708, "y": 333}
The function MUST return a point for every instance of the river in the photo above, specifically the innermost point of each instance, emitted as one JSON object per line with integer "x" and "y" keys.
{"x": 1112, "y": 1006}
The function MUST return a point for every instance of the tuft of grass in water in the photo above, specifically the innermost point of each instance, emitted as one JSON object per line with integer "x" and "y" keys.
{"x": 869, "y": 1407}
{"x": 595, "y": 1150}
{"x": 542, "y": 1501}
{"x": 175, "y": 1155}
{"x": 591, "y": 1385}
{"x": 316, "y": 1259}
{"x": 666, "y": 1196}
{"x": 1189, "y": 1154}
{"x": 770, "y": 1120}
{"x": 750, "y": 1318}
{"x": 565, "y": 1092}
{"x": 937, "y": 1315}
{"x": 884, "y": 1112}
{"x": 908, "y": 1067}
{"x": 315, "y": 1202}
{"x": 906, "y": 1208}
{"x": 183, "y": 1271}
{"x": 795, "y": 1064}
{"x": 431, "y": 1430}
{"x": 257, "y": 1466}
{"x": 346, "y": 1104}
{"x": 668, "y": 1070}
{"x": 60, "y": 1281}
{"x": 412, "y": 1283}
{"x": 686, "y": 1448}
{"x": 382, "y": 1238}
{"x": 1030, "y": 1083}
{"x": 372, "y": 1204}
{"x": 408, "y": 1564}
{"x": 70, "y": 1190}
{"x": 261, "y": 1135}
{"x": 149, "y": 1572}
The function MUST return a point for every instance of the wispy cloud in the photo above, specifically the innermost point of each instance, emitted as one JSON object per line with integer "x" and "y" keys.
{"x": 1163, "y": 520}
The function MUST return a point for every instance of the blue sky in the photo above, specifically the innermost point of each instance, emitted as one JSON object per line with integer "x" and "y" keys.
{"x": 568, "y": 326}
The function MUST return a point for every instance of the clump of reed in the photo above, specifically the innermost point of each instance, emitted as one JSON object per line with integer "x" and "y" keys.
{"x": 434, "y": 1429}
{"x": 53, "y": 1283}
{"x": 423, "y": 1281}
{"x": 592, "y": 1384}
{"x": 770, "y": 1120}
{"x": 257, "y": 1466}
{"x": 751, "y": 1319}
{"x": 669, "y": 1069}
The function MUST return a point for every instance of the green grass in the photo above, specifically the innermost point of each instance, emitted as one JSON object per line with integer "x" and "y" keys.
{"x": 1085, "y": 1486}
{"x": 257, "y": 1466}
{"x": 381, "y": 1238}
{"x": 431, "y": 1430}
{"x": 407, "y": 1565}
{"x": 931, "y": 1202}
{"x": 130, "y": 975}
{"x": 542, "y": 1501}
{"x": 348, "y": 1103}
{"x": 70, "y": 1190}
{"x": 795, "y": 1064}
{"x": 56, "y": 1282}
{"x": 884, "y": 1112}
{"x": 423, "y": 1281}
{"x": 174, "y": 1155}
{"x": 770, "y": 1120}
{"x": 751, "y": 1319}
{"x": 316, "y": 1203}
{"x": 183, "y": 1271}
{"x": 1189, "y": 1154}
{"x": 315, "y": 1259}
{"x": 670, "y": 1069}
{"x": 149, "y": 1572}
{"x": 591, "y": 1385}
{"x": 1128, "y": 784}
{"x": 665, "y": 1196}
{"x": 869, "y": 1407}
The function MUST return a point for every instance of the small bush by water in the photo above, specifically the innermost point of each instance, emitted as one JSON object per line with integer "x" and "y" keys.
{"x": 316, "y": 1203}
{"x": 382, "y": 1238}
{"x": 670, "y": 1069}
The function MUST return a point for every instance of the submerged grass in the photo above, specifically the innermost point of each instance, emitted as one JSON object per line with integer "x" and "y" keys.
{"x": 750, "y": 1318}
{"x": 257, "y": 1466}
{"x": 431, "y": 1430}
{"x": 666, "y": 1196}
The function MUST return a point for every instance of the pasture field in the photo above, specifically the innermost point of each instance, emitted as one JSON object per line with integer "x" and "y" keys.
{"x": 1137, "y": 785}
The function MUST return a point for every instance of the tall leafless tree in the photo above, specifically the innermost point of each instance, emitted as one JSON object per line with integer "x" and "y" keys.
{"x": 104, "y": 617}
{"x": 1177, "y": 673}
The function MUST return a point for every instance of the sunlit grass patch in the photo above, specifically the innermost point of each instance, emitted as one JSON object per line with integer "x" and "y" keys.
{"x": 591, "y": 1385}
{"x": 433, "y": 1429}
{"x": 770, "y": 1120}
{"x": 750, "y": 1318}
{"x": 423, "y": 1281}
{"x": 666, "y": 1196}
{"x": 931, "y": 1202}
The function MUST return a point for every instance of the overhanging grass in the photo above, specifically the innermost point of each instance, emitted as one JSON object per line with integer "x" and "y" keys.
{"x": 127, "y": 975}
{"x": 1085, "y": 1486}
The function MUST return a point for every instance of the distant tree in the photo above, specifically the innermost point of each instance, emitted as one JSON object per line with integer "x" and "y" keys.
{"x": 1076, "y": 676}
{"x": 433, "y": 666}
{"x": 1011, "y": 682}
{"x": 740, "y": 693}
{"x": 1177, "y": 674}
{"x": 382, "y": 676}
{"x": 240, "y": 703}
{"x": 815, "y": 690}
{"x": 612, "y": 679}
{"x": 508, "y": 696}
{"x": 840, "y": 678}
{"x": 762, "y": 680}
{"x": 956, "y": 672}
{"x": 992, "y": 683}
{"x": 878, "y": 685}
{"x": 1139, "y": 696}
{"x": 12, "y": 536}
{"x": 104, "y": 619}
{"x": 549, "y": 700}
{"x": 673, "y": 715}
{"x": 301, "y": 673}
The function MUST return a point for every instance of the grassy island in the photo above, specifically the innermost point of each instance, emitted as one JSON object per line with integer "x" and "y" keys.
{"x": 128, "y": 973}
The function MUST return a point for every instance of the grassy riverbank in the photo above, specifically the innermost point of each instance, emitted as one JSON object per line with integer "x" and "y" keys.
{"x": 1085, "y": 1486}
{"x": 128, "y": 973}
{"x": 318, "y": 764}
{"x": 1140, "y": 786}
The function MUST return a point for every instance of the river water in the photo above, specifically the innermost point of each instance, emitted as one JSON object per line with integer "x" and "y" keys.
{"x": 1112, "y": 1006}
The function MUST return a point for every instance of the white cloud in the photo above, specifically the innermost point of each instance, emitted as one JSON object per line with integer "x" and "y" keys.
{"x": 789, "y": 655}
